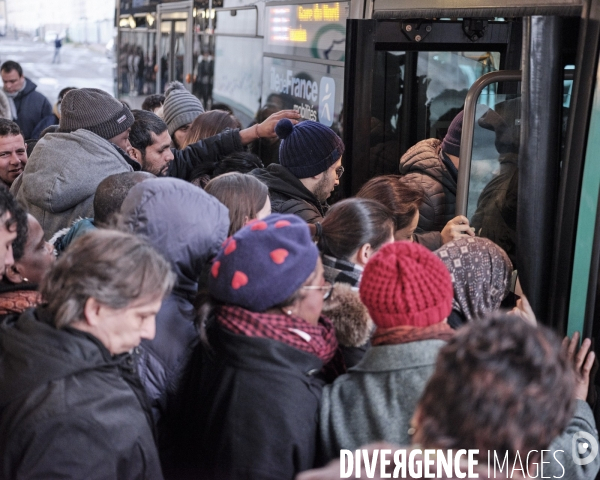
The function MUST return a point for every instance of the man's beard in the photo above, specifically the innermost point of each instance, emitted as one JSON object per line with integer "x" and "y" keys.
{"x": 146, "y": 167}
{"x": 322, "y": 191}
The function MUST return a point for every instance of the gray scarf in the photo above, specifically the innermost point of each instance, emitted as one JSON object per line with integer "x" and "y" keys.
{"x": 11, "y": 101}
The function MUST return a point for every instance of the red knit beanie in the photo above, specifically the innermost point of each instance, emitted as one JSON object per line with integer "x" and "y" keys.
{"x": 406, "y": 284}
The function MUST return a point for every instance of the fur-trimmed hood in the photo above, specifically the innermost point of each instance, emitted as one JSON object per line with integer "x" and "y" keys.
{"x": 353, "y": 325}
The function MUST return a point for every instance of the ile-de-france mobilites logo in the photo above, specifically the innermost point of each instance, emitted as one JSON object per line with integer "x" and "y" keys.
{"x": 584, "y": 448}
{"x": 326, "y": 101}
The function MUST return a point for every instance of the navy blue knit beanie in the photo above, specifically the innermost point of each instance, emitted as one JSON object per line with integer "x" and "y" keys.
{"x": 307, "y": 148}
{"x": 264, "y": 263}
{"x": 451, "y": 143}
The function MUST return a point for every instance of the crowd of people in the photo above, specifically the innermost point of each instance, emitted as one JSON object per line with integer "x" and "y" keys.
{"x": 170, "y": 307}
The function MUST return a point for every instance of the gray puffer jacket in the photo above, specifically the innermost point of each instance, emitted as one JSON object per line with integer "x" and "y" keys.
{"x": 422, "y": 164}
{"x": 187, "y": 226}
{"x": 60, "y": 179}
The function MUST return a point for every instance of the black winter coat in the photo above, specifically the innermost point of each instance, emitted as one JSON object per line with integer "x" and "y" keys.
{"x": 67, "y": 408}
{"x": 32, "y": 107}
{"x": 422, "y": 164}
{"x": 208, "y": 150}
{"x": 289, "y": 195}
{"x": 251, "y": 411}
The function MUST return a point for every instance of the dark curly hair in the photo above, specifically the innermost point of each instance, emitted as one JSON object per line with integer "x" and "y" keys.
{"x": 499, "y": 384}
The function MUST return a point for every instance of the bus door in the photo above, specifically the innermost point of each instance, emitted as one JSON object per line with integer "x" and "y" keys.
{"x": 410, "y": 77}
{"x": 408, "y": 81}
{"x": 174, "y": 43}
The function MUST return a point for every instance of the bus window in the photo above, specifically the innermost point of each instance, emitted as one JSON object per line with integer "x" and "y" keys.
{"x": 492, "y": 201}
{"x": 136, "y": 60}
{"x": 416, "y": 95}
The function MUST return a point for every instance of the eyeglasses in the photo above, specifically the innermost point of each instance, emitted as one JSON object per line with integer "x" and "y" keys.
{"x": 339, "y": 172}
{"x": 327, "y": 288}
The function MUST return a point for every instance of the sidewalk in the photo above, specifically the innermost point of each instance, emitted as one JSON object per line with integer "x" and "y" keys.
{"x": 82, "y": 66}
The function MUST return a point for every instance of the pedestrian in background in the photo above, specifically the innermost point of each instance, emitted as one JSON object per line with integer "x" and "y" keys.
{"x": 57, "y": 47}
{"x": 27, "y": 106}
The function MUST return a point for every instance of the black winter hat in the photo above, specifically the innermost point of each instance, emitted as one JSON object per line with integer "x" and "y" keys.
{"x": 451, "y": 142}
{"x": 94, "y": 110}
{"x": 307, "y": 148}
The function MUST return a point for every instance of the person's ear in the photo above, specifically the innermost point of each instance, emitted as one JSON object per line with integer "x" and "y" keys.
{"x": 363, "y": 254}
{"x": 318, "y": 177}
{"x": 135, "y": 154}
{"x": 92, "y": 312}
{"x": 13, "y": 274}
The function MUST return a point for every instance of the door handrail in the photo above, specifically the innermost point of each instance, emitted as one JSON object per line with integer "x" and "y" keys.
{"x": 466, "y": 138}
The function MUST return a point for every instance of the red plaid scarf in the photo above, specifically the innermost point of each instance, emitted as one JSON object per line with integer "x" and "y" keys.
{"x": 318, "y": 340}
{"x": 408, "y": 333}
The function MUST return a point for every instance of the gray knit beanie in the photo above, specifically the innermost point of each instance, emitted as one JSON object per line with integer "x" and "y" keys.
{"x": 94, "y": 110}
{"x": 180, "y": 107}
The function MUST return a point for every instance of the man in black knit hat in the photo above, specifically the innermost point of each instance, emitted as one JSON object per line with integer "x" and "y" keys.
{"x": 309, "y": 168}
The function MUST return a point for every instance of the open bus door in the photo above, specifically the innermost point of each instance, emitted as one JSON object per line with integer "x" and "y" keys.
{"x": 174, "y": 43}
{"x": 409, "y": 67}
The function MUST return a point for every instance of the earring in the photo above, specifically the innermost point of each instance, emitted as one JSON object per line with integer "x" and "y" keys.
{"x": 289, "y": 312}
{"x": 25, "y": 279}
{"x": 411, "y": 431}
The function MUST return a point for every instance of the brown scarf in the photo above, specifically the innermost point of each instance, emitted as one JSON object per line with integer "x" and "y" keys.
{"x": 408, "y": 333}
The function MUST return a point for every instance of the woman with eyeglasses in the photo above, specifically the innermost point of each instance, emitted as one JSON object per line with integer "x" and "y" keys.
{"x": 256, "y": 378}
{"x": 351, "y": 232}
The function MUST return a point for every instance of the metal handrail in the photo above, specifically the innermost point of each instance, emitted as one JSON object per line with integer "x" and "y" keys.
{"x": 466, "y": 138}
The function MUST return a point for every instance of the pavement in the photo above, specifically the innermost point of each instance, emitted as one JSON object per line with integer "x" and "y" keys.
{"x": 82, "y": 66}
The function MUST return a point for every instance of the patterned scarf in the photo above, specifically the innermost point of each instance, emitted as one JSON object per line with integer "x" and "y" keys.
{"x": 481, "y": 273}
{"x": 408, "y": 334}
{"x": 18, "y": 301}
{"x": 337, "y": 270}
{"x": 318, "y": 340}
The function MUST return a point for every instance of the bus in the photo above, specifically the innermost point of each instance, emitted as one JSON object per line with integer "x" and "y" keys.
{"x": 386, "y": 74}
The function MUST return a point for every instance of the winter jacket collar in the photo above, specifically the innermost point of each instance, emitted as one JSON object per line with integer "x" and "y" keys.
{"x": 384, "y": 358}
{"x": 283, "y": 182}
{"x": 27, "y": 89}
{"x": 35, "y": 352}
{"x": 350, "y": 317}
{"x": 338, "y": 270}
{"x": 452, "y": 170}
{"x": 130, "y": 161}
